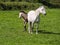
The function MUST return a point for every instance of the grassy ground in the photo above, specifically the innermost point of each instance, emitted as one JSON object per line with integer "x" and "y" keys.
{"x": 11, "y": 29}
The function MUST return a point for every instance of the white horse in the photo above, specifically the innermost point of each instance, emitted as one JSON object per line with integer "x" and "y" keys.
{"x": 33, "y": 16}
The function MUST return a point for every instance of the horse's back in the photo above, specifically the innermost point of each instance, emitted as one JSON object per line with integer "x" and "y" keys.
{"x": 32, "y": 11}
{"x": 31, "y": 16}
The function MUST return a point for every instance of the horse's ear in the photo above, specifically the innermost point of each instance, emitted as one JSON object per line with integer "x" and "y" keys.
{"x": 42, "y": 6}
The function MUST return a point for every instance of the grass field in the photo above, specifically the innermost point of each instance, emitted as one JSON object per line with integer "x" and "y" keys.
{"x": 11, "y": 29}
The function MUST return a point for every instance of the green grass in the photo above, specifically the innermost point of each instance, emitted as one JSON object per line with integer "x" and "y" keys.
{"x": 11, "y": 29}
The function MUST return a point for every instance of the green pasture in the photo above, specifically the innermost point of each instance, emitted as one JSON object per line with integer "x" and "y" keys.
{"x": 11, "y": 29}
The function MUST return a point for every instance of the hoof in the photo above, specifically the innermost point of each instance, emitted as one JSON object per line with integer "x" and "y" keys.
{"x": 36, "y": 33}
{"x": 31, "y": 33}
{"x": 24, "y": 30}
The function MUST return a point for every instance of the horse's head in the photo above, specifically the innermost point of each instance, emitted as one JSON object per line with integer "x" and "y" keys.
{"x": 21, "y": 13}
{"x": 42, "y": 10}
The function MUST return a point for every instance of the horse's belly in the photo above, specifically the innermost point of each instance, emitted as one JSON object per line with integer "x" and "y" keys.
{"x": 38, "y": 19}
{"x": 31, "y": 18}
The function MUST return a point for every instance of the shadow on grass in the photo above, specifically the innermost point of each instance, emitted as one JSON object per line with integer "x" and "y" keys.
{"x": 46, "y": 32}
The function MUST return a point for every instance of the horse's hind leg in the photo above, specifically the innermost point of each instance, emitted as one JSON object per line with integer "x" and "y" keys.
{"x": 29, "y": 27}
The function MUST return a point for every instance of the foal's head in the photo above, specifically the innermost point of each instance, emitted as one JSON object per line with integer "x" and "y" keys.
{"x": 21, "y": 14}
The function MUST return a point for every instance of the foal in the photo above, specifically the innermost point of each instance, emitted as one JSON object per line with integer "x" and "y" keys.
{"x": 24, "y": 16}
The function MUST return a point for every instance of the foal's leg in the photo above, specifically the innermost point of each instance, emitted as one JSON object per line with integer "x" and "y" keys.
{"x": 25, "y": 26}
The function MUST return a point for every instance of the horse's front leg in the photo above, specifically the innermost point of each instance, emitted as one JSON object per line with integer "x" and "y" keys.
{"x": 37, "y": 25}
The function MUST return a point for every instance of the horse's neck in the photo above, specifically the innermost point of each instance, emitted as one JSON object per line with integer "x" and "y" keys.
{"x": 37, "y": 11}
{"x": 24, "y": 16}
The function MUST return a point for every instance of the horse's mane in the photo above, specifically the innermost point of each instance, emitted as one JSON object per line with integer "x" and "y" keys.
{"x": 23, "y": 12}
